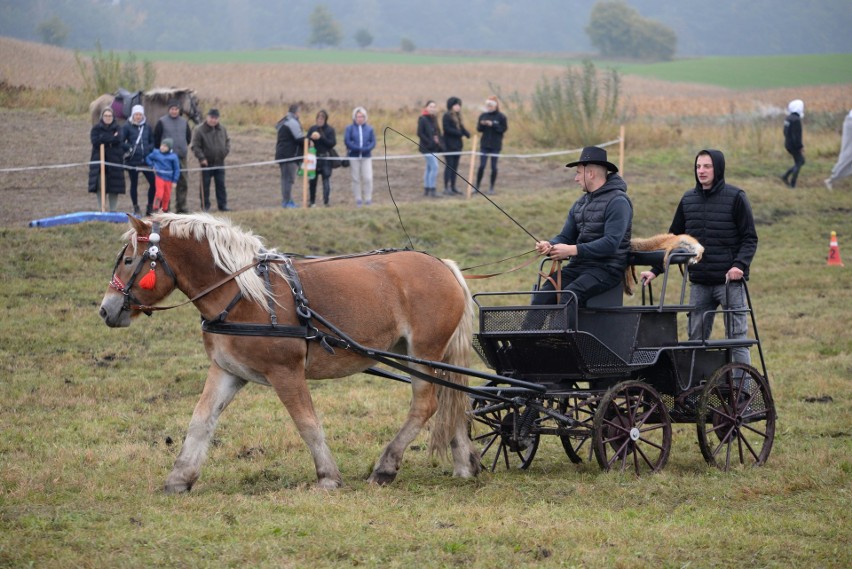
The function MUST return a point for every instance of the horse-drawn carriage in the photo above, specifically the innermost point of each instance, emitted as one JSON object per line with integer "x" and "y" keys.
{"x": 606, "y": 379}
{"x": 616, "y": 378}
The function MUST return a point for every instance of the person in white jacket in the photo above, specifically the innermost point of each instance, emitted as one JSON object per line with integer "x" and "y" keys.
{"x": 843, "y": 167}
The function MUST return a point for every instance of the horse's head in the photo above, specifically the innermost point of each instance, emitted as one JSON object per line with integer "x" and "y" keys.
{"x": 190, "y": 107}
{"x": 140, "y": 279}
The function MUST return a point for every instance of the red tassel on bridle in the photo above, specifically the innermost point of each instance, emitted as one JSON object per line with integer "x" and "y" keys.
{"x": 149, "y": 281}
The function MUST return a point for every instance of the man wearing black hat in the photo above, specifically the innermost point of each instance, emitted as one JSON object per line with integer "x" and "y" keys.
{"x": 596, "y": 235}
{"x": 174, "y": 126}
{"x": 211, "y": 144}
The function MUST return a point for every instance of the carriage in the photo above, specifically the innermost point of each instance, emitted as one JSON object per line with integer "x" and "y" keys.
{"x": 607, "y": 379}
{"x": 616, "y": 377}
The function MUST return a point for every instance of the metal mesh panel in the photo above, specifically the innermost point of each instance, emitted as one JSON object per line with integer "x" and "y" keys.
{"x": 522, "y": 319}
{"x": 644, "y": 357}
{"x": 599, "y": 358}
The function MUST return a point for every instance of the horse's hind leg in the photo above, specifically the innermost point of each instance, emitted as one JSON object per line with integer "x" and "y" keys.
{"x": 219, "y": 390}
{"x": 423, "y": 406}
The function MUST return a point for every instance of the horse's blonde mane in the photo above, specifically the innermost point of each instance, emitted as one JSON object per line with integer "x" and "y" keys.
{"x": 163, "y": 94}
{"x": 232, "y": 247}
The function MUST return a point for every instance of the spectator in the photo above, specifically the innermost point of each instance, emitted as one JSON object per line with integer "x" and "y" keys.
{"x": 793, "y": 140}
{"x": 211, "y": 144}
{"x": 107, "y": 133}
{"x": 454, "y": 130}
{"x": 843, "y": 167}
{"x": 492, "y": 124}
{"x": 324, "y": 138}
{"x": 288, "y": 146}
{"x": 360, "y": 141}
{"x": 719, "y": 216}
{"x": 430, "y": 142}
{"x": 596, "y": 235}
{"x": 174, "y": 126}
{"x": 138, "y": 140}
{"x": 167, "y": 169}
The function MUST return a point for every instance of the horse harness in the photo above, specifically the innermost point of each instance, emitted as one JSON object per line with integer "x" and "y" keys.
{"x": 154, "y": 255}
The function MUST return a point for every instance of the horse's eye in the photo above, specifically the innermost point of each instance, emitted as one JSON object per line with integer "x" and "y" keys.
{"x": 128, "y": 260}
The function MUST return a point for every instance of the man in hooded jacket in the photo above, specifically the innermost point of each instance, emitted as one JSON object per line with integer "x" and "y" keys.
{"x": 719, "y": 216}
{"x": 793, "y": 141}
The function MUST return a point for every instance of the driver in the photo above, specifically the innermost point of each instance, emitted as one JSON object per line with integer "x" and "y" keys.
{"x": 596, "y": 235}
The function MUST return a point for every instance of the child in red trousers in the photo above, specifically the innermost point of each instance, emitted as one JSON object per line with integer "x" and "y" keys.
{"x": 166, "y": 172}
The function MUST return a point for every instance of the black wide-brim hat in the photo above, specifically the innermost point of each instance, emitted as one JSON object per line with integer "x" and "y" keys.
{"x": 594, "y": 155}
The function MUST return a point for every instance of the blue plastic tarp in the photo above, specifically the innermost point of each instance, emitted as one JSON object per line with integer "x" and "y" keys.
{"x": 80, "y": 217}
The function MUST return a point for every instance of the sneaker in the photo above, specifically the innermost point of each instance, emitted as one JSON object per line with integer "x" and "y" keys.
{"x": 357, "y": 203}
{"x": 290, "y": 205}
{"x": 828, "y": 184}
{"x": 785, "y": 180}
{"x": 226, "y": 208}
{"x": 313, "y": 205}
{"x": 368, "y": 202}
{"x": 136, "y": 209}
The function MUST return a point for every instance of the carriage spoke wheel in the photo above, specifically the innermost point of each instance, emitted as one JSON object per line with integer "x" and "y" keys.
{"x": 503, "y": 438}
{"x": 582, "y": 411}
{"x": 736, "y": 417}
{"x": 632, "y": 429}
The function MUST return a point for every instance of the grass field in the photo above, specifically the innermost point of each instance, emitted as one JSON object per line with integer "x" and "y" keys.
{"x": 91, "y": 420}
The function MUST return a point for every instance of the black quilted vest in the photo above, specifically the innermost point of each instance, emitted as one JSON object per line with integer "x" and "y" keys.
{"x": 589, "y": 219}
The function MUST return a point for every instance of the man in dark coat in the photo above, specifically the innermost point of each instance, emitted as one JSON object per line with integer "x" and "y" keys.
{"x": 793, "y": 141}
{"x": 596, "y": 235}
{"x": 719, "y": 216}
{"x": 211, "y": 144}
{"x": 174, "y": 126}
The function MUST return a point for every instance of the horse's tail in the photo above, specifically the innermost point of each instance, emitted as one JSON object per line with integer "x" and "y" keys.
{"x": 452, "y": 416}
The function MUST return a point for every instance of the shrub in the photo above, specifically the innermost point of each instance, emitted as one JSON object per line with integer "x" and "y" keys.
{"x": 107, "y": 71}
{"x": 580, "y": 108}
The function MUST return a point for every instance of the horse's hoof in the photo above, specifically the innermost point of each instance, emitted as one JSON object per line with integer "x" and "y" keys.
{"x": 329, "y": 484}
{"x": 177, "y": 488}
{"x": 381, "y": 478}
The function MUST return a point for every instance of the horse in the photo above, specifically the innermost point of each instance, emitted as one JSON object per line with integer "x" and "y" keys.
{"x": 155, "y": 101}
{"x": 407, "y": 302}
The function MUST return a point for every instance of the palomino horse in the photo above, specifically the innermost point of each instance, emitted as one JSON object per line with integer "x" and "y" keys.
{"x": 258, "y": 328}
{"x": 156, "y": 103}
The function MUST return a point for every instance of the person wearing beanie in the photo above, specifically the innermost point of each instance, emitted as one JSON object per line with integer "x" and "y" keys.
{"x": 211, "y": 144}
{"x": 173, "y": 125}
{"x": 289, "y": 146}
{"x": 454, "y": 130}
{"x": 429, "y": 135}
{"x": 793, "y": 140}
{"x": 138, "y": 139}
{"x": 107, "y": 134}
{"x": 492, "y": 124}
{"x": 166, "y": 166}
{"x": 360, "y": 140}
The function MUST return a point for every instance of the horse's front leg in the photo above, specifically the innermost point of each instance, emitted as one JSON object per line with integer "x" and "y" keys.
{"x": 292, "y": 390}
{"x": 219, "y": 390}
{"x": 423, "y": 406}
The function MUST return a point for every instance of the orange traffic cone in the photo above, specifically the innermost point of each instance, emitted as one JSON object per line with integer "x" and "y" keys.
{"x": 834, "y": 251}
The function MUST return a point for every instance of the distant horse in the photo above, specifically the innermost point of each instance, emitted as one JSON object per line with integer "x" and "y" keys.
{"x": 403, "y": 301}
{"x": 155, "y": 101}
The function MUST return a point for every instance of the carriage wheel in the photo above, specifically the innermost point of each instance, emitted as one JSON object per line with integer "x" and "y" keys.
{"x": 504, "y": 439}
{"x": 576, "y": 445}
{"x": 736, "y": 417}
{"x": 632, "y": 429}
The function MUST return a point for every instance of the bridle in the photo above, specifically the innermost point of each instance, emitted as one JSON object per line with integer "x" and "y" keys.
{"x": 153, "y": 255}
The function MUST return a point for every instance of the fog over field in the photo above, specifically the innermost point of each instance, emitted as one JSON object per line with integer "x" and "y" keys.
{"x": 727, "y": 27}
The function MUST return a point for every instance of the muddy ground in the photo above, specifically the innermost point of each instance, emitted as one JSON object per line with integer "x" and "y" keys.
{"x": 45, "y": 140}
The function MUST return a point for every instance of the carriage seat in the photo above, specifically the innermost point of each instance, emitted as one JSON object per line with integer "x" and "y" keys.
{"x": 611, "y": 298}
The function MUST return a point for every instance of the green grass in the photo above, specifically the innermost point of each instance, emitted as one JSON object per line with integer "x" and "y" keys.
{"x": 766, "y": 72}
{"x": 91, "y": 418}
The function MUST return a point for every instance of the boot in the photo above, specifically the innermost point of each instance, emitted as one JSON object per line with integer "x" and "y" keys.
{"x": 455, "y": 192}
{"x": 426, "y": 192}
{"x": 447, "y": 191}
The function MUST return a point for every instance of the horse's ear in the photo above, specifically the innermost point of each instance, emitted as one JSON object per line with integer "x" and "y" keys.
{"x": 139, "y": 226}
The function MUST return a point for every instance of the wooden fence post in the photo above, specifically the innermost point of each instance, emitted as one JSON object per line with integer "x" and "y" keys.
{"x": 472, "y": 164}
{"x": 621, "y": 150}
{"x": 103, "y": 179}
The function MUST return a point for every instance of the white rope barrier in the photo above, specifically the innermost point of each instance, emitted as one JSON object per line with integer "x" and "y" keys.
{"x": 340, "y": 158}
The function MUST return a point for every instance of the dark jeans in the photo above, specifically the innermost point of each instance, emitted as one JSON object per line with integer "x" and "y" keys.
{"x": 793, "y": 173}
{"x": 585, "y": 282}
{"x": 482, "y": 162}
{"x": 326, "y": 185}
{"x": 218, "y": 176}
{"x": 133, "y": 176}
{"x": 451, "y": 169}
{"x": 180, "y": 190}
